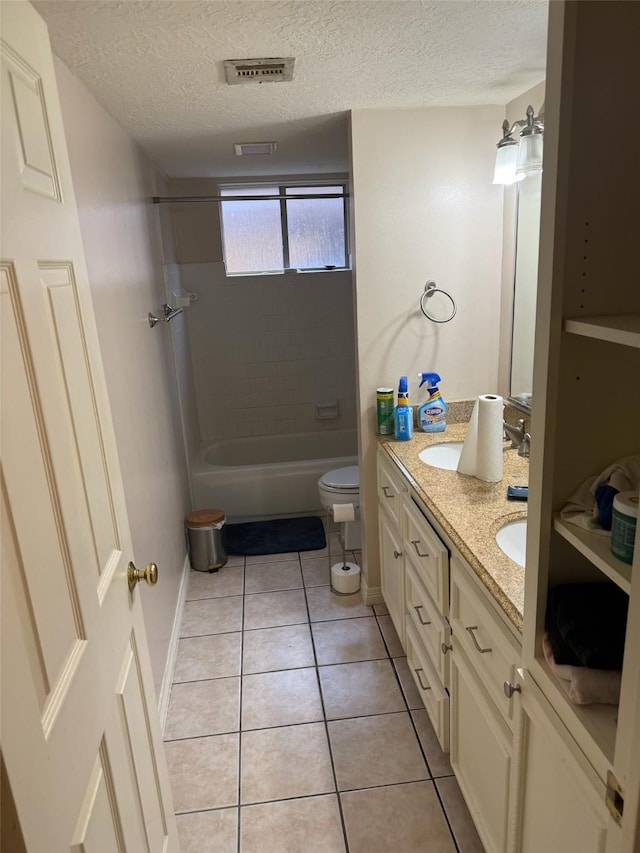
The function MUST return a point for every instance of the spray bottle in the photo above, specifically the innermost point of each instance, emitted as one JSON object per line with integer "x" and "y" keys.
{"x": 403, "y": 413}
{"x": 432, "y": 415}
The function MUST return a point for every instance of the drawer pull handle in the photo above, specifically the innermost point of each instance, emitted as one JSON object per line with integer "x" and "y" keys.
{"x": 510, "y": 689}
{"x": 446, "y": 648}
{"x": 418, "y": 608}
{"x": 417, "y": 672}
{"x": 385, "y": 489}
{"x": 482, "y": 651}
{"x": 415, "y": 543}
{"x": 397, "y": 554}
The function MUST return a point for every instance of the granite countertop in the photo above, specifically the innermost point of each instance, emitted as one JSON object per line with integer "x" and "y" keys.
{"x": 470, "y": 512}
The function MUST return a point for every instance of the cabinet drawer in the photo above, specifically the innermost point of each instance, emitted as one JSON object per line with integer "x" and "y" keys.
{"x": 432, "y": 693}
{"x": 489, "y": 647}
{"x": 429, "y": 625}
{"x": 427, "y": 554}
{"x": 391, "y": 484}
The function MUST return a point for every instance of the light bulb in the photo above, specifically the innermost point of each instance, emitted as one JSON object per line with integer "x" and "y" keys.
{"x": 505, "y": 171}
{"x": 529, "y": 155}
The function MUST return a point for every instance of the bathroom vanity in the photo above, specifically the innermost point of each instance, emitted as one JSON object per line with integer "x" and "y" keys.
{"x": 538, "y": 772}
{"x": 456, "y": 602}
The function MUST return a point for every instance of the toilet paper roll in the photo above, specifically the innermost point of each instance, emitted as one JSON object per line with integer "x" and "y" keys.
{"x": 345, "y": 578}
{"x": 482, "y": 454}
{"x": 344, "y": 512}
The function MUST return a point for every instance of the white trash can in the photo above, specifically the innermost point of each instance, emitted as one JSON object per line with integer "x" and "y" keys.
{"x": 204, "y": 534}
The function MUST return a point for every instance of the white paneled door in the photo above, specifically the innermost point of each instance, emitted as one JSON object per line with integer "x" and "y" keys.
{"x": 80, "y": 734}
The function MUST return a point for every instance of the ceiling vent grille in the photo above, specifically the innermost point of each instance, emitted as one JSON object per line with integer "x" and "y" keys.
{"x": 258, "y": 70}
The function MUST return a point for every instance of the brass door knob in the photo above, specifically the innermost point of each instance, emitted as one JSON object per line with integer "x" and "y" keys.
{"x": 148, "y": 574}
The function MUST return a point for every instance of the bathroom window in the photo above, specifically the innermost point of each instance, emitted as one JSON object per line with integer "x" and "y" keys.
{"x": 281, "y": 233}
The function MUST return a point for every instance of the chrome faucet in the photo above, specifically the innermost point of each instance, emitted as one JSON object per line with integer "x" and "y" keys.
{"x": 520, "y": 439}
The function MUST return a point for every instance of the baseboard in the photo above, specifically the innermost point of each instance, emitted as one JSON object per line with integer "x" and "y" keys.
{"x": 167, "y": 678}
{"x": 371, "y": 594}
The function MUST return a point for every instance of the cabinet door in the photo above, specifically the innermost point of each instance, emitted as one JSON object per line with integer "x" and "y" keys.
{"x": 487, "y": 643}
{"x": 432, "y": 630}
{"x": 391, "y": 486}
{"x": 481, "y": 751}
{"x": 428, "y": 554}
{"x": 392, "y": 572}
{"x": 430, "y": 688}
{"x": 562, "y": 800}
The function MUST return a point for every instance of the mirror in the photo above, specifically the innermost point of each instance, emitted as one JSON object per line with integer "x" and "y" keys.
{"x": 525, "y": 290}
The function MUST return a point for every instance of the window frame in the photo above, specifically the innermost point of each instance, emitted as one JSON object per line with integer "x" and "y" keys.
{"x": 282, "y": 187}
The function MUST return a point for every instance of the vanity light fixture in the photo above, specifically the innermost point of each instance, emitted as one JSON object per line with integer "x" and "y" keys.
{"x": 517, "y": 159}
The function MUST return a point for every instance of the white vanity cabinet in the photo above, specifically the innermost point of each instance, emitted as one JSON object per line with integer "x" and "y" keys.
{"x": 391, "y": 488}
{"x": 414, "y": 567}
{"x": 560, "y": 798}
{"x": 484, "y": 657}
{"x": 587, "y": 337}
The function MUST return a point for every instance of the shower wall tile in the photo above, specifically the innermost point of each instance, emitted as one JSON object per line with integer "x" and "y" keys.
{"x": 265, "y": 350}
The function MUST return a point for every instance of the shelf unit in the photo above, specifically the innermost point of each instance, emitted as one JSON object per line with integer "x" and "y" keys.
{"x": 617, "y": 329}
{"x": 596, "y": 548}
{"x": 587, "y": 360}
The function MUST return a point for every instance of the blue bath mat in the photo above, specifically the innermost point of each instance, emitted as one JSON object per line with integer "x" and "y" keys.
{"x": 274, "y": 537}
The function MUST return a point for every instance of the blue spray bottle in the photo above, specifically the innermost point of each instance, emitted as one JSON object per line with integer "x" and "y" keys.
{"x": 432, "y": 415}
{"x": 403, "y": 413}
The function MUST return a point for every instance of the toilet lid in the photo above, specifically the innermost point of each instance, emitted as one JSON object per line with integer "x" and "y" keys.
{"x": 342, "y": 478}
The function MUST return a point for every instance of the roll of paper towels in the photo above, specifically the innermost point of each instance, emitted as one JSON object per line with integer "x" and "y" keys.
{"x": 344, "y": 512}
{"x": 345, "y": 578}
{"x": 482, "y": 454}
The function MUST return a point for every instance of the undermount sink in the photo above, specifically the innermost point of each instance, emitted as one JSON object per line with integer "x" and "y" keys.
{"x": 446, "y": 455}
{"x": 512, "y": 540}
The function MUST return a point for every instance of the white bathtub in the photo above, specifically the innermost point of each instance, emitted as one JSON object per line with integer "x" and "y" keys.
{"x": 266, "y": 476}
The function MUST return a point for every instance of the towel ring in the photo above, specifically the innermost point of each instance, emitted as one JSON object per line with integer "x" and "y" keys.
{"x": 429, "y": 289}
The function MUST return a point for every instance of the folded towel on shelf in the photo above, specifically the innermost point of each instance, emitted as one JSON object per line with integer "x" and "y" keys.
{"x": 586, "y": 624}
{"x": 585, "y": 686}
{"x": 590, "y": 505}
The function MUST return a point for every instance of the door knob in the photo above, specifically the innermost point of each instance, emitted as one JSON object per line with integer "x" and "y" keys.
{"x": 148, "y": 574}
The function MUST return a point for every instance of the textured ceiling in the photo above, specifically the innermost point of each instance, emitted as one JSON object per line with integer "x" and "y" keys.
{"x": 157, "y": 68}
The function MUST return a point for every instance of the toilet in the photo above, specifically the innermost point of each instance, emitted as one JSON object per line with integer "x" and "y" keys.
{"x": 342, "y": 486}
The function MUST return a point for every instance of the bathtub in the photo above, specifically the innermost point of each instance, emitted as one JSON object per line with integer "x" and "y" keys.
{"x": 266, "y": 476}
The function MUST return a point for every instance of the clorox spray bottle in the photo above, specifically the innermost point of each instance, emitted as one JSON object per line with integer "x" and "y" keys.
{"x": 432, "y": 415}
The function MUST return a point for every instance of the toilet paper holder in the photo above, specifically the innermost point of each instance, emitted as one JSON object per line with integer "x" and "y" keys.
{"x": 344, "y": 513}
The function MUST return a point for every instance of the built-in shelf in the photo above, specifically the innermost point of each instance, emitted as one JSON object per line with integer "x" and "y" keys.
{"x": 594, "y": 727}
{"x": 615, "y": 328}
{"x": 596, "y": 548}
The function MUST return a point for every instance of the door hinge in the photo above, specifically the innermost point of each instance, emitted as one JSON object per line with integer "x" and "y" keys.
{"x": 614, "y": 798}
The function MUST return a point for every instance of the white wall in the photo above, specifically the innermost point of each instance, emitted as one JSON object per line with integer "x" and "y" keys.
{"x": 113, "y": 184}
{"x": 423, "y": 207}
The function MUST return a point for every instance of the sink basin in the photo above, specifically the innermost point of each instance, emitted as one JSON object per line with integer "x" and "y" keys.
{"x": 512, "y": 540}
{"x": 445, "y": 455}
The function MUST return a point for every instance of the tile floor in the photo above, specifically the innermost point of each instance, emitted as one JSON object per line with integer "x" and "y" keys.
{"x": 294, "y": 725}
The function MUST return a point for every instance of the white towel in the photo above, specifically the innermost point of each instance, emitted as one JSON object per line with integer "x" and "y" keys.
{"x": 581, "y": 508}
{"x": 585, "y": 686}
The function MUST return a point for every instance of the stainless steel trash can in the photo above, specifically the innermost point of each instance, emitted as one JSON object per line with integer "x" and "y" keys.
{"x": 204, "y": 535}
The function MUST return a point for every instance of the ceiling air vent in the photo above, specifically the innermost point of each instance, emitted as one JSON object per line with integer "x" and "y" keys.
{"x": 272, "y": 69}
{"x": 242, "y": 149}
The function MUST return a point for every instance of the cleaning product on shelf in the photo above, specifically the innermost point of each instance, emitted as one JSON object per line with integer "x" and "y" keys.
{"x": 403, "y": 413}
{"x": 432, "y": 415}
